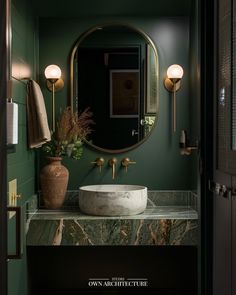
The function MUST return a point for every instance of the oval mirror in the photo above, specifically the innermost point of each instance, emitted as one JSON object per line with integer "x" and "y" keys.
{"x": 114, "y": 72}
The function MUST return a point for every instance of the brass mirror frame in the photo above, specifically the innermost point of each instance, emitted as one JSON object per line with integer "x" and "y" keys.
{"x": 72, "y": 56}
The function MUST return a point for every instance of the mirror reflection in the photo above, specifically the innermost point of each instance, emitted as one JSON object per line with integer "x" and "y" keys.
{"x": 114, "y": 72}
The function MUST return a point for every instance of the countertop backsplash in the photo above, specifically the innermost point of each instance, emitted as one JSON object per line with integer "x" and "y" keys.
{"x": 155, "y": 198}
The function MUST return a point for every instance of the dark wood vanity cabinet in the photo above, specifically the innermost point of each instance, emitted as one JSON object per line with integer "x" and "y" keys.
{"x": 169, "y": 270}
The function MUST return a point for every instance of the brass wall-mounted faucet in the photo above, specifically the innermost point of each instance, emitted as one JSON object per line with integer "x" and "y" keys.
{"x": 112, "y": 163}
{"x": 126, "y": 162}
{"x": 99, "y": 162}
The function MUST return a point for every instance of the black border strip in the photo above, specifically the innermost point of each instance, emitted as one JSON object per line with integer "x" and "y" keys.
{"x": 4, "y": 78}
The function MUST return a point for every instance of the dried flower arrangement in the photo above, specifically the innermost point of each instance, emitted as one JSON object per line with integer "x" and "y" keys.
{"x": 72, "y": 129}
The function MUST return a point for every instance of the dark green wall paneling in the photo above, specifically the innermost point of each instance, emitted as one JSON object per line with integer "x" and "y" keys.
{"x": 159, "y": 163}
{"x": 21, "y": 162}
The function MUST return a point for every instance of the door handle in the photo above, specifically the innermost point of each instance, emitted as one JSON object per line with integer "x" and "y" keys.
{"x": 17, "y": 254}
{"x": 233, "y": 194}
{"x": 224, "y": 192}
{"x": 220, "y": 189}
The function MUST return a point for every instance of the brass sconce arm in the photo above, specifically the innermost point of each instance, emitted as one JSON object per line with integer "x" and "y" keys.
{"x": 126, "y": 162}
{"x": 54, "y": 83}
{"x": 172, "y": 83}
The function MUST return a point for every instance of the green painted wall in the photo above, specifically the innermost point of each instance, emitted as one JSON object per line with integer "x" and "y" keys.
{"x": 20, "y": 160}
{"x": 159, "y": 163}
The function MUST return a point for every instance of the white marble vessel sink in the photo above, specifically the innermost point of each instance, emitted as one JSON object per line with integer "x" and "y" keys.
{"x": 112, "y": 200}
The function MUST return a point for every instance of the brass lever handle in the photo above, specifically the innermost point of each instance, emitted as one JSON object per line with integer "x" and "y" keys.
{"x": 126, "y": 162}
{"x": 99, "y": 162}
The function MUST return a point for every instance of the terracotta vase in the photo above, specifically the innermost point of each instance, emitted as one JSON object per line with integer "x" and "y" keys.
{"x": 54, "y": 180}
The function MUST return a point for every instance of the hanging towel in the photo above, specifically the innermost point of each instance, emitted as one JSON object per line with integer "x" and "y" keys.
{"x": 38, "y": 130}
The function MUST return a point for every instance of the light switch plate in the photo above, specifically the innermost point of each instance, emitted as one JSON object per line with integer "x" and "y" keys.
{"x": 12, "y": 192}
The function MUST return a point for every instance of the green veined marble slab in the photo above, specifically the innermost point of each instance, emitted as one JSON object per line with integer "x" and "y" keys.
{"x": 112, "y": 232}
{"x": 165, "y": 225}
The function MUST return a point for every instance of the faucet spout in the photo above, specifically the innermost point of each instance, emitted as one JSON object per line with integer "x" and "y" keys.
{"x": 112, "y": 163}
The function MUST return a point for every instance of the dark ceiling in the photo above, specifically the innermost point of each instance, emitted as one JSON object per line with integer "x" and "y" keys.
{"x": 80, "y": 8}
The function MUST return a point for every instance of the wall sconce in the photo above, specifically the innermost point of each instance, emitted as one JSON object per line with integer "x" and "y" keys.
{"x": 172, "y": 84}
{"x": 54, "y": 83}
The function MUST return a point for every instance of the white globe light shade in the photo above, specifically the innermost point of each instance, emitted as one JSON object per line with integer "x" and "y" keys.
{"x": 175, "y": 71}
{"x": 52, "y": 72}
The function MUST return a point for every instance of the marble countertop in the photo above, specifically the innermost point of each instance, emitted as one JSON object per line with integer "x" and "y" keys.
{"x": 170, "y": 218}
{"x": 158, "y": 212}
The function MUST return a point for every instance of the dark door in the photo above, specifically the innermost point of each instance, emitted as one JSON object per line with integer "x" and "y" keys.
{"x": 224, "y": 154}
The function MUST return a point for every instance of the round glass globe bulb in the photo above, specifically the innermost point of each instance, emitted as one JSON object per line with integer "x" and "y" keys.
{"x": 52, "y": 72}
{"x": 175, "y": 71}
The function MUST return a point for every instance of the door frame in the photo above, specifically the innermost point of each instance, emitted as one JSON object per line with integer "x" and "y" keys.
{"x": 5, "y": 42}
{"x": 208, "y": 60}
